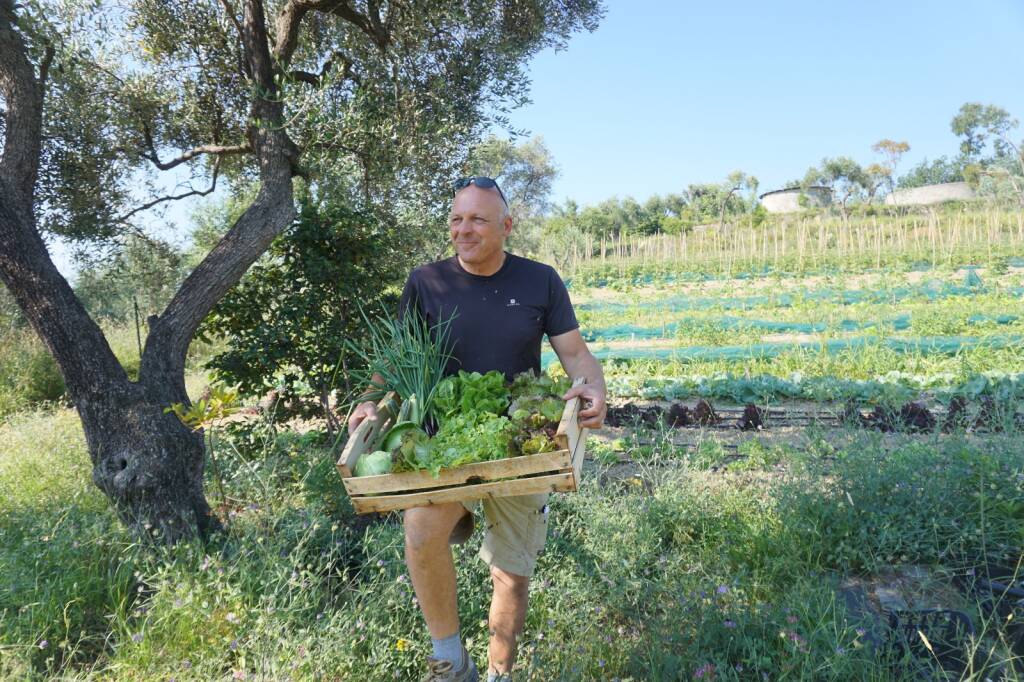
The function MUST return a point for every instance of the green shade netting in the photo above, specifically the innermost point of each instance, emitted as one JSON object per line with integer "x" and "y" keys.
{"x": 930, "y": 291}
{"x": 949, "y": 345}
{"x": 670, "y": 330}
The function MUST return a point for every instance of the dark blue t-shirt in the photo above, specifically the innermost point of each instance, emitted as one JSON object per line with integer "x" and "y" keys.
{"x": 501, "y": 318}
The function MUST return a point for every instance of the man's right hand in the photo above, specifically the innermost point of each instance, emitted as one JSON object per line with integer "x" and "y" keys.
{"x": 366, "y": 410}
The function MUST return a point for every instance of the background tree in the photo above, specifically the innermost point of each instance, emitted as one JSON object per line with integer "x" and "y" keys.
{"x": 935, "y": 172}
{"x": 843, "y": 176}
{"x": 736, "y": 182}
{"x": 285, "y": 324}
{"x": 982, "y": 126}
{"x": 525, "y": 172}
{"x": 99, "y": 99}
{"x": 891, "y": 152}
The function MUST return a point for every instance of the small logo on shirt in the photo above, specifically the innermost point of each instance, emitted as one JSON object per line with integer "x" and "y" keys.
{"x": 512, "y": 302}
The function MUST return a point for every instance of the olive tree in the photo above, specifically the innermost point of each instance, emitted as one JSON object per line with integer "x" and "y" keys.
{"x": 844, "y": 177}
{"x": 98, "y": 99}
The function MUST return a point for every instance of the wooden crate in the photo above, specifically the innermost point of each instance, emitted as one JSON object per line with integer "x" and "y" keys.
{"x": 556, "y": 471}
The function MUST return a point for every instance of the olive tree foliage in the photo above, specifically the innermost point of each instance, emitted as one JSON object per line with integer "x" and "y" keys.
{"x": 988, "y": 127}
{"x": 524, "y": 171}
{"x": 847, "y": 180}
{"x": 99, "y": 98}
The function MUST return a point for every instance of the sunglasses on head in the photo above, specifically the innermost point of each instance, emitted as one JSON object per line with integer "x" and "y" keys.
{"x": 482, "y": 182}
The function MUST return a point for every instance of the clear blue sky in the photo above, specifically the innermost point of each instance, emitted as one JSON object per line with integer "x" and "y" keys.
{"x": 665, "y": 94}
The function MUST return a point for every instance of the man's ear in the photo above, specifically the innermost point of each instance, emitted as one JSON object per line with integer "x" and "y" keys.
{"x": 508, "y": 225}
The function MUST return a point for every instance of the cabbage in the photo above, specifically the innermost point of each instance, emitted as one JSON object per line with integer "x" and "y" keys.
{"x": 374, "y": 464}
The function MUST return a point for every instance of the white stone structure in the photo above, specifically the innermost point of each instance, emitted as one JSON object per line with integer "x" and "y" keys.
{"x": 930, "y": 194}
{"x": 788, "y": 200}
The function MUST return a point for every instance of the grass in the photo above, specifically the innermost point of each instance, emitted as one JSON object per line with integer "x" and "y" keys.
{"x": 713, "y": 560}
{"x": 29, "y": 376}
{"x": 675, "y": 570}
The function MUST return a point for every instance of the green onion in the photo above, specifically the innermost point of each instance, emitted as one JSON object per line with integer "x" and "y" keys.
{"x": 409, "y": 354}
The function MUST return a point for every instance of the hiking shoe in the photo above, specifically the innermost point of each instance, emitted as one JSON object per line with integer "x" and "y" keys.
{"x": 442, "y": 670}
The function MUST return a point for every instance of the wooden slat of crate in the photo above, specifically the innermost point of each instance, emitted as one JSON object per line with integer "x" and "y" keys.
{"x": 560, "y": 482}
{"x": 546, "y": 462}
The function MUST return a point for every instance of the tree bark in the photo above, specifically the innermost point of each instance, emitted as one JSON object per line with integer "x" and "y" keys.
{"x": 145, "y": 460}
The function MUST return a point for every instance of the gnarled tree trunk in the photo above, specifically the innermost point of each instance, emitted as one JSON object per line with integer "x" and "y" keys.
{"x": 145, "y": 460}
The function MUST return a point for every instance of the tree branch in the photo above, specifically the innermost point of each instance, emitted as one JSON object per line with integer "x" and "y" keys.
{"x": 317, "y": 80}
{"x": 271, "y": 211}
{"x": 212, "y": 149}
{"x": 19, "y": 165}
{"x": 289, "y": 21}
{"x": 174, "y": 197}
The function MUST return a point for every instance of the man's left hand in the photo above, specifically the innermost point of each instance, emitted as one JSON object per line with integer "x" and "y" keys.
{"x": 595, "y": 406}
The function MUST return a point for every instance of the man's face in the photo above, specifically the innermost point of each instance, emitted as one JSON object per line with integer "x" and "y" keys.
{"x": 479, "y": 224}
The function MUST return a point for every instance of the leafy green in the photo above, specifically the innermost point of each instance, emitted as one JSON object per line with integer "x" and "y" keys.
{"x": 472, "y": 393}
{"x": 469, "y": 438}
{"x": 529, "y": 384}
{"x": 373, "y": 464}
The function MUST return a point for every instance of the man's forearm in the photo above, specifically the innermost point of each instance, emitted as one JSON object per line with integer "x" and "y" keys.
{"x": 585, "y": 365}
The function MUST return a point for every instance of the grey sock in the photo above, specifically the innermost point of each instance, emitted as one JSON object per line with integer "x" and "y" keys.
{"x": 498, "y": 677}
{"x": 450, "y": 649}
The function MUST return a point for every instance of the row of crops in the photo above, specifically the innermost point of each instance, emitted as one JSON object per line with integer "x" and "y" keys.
{"x": 857, "y": 337}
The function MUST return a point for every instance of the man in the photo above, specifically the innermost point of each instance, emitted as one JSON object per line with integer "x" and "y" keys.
{"x": 505, "y": 305}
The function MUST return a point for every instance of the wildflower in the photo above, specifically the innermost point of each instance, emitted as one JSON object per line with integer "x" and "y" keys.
{"x": 402, "y": 644}
{"x": 791, "y": 619}
{"x": 706, "y": 669}
{"x": 43, "y": 644}
{"x": 840, "y": 650}
{"x": 738, "y": 667}
{"x": 137, "y": 637}
{"x": 860, "y": 632}
{"x": 186, "y": 664}
{"x": 238, "y": 675}
{"x": 729, "y": 624}
{"x": 231, "y": 617}
{"x": 600, "y": 662}
{"x": 380, "y": 563}
{"x": 722, "y": 589}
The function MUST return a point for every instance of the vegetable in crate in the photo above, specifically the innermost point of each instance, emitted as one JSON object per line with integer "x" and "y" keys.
{"x": 472, "y": 392}
{"x": 411, "y": 357}
{"x": 528, "y": 384}
{"x": 373, "y": 464}
{"x": 469, "y": 438}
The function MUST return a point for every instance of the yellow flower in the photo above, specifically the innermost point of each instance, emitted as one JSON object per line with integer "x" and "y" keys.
{"x": 402, "y": 644}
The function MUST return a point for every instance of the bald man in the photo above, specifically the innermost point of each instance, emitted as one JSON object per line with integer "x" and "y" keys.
{"x": 506, "y": 305}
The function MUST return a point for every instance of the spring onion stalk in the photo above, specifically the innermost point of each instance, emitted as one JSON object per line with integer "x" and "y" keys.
{"x": 410, "y": 355}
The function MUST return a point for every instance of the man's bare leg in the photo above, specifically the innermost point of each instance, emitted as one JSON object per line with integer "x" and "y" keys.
{"x": 429, "y": 559}
{"x": 507, "y": 617}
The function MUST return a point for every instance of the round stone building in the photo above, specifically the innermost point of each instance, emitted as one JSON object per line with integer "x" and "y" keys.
{"x": 789, "y": 200}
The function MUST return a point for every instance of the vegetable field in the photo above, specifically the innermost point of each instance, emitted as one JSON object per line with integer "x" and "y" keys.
{"x": 803, "y": 476}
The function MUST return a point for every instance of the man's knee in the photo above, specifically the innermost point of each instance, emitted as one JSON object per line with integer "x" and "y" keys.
{"x": 429, "y": 527}
{"x": 509, "y": 584}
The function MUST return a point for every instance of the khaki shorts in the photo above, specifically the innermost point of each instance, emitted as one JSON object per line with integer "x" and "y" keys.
{"x": 516, "y": 530}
